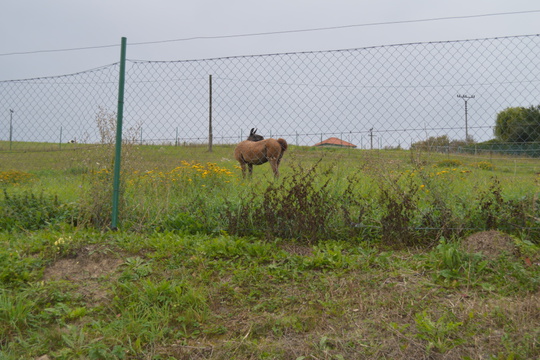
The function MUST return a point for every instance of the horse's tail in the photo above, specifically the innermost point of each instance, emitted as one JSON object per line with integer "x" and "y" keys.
{"x": 283, "y": 144}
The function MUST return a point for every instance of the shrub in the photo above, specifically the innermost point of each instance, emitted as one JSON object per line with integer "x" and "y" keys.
{"x": 298, "y": 207}
{"x": 399, "y": 206}
{"x": 31, "y": 212}
{"x": 440, "y": 221}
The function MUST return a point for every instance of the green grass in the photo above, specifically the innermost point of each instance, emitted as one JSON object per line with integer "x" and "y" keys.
{"x": 164, "y": 295}
{"x": 349, "y": 255}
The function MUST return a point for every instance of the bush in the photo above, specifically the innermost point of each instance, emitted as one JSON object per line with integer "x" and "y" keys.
{"x": 32, "y": 212}
{"x": 298, "y": 207}
{"x": 182, "y": 222}
{"x": 399, "y": 205}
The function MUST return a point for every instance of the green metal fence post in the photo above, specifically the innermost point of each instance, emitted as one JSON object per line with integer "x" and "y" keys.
{"x": 118, "y": 152}
{"x": 210, "y": 136}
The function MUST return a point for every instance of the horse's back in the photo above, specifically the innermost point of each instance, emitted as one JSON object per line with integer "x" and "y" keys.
{"x": 251, "y": 152}
{"x": 259, "y": 152}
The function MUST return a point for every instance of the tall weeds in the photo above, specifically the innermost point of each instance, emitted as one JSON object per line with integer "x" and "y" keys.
{"x": 405, "y": 209}
{"x": 494, "y": 211}
{"x": 378, "y": 202}
{"x": 302, "y": 206}
{"x": 399, "y": 205}
{"x": 298, "y": 207}
{"x": 32, "y": 212}
{"x": 96, "y": 199}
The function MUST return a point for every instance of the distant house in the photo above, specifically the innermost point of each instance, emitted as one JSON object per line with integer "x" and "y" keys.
{"x": 335, "y": 142}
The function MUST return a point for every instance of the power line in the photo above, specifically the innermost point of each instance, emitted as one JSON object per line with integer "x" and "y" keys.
{"x": 60, "y": 50}
{"x": 335, "y": 27}
{"x": 275, "y": 32}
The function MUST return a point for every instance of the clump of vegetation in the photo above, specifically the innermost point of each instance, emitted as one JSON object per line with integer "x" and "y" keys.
{"x": 484, "y": 165}
{"x": 15, "y": 177}
{"x": 182, "y": 222}
{"x": 300, "y": 207}
{"x": 410, "y": 209}
{"x": 96, "y": 200}
{"x": 399, "y": 206}
{"x": 448, "y": 163}
{"x": 441, "y": 144}
{"x": 495, "y": 211}
{"x": 209, "y": 174}
{"x": 28, "y": 211}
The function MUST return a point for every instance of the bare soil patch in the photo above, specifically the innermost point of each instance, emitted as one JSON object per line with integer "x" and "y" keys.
{"x": 89, "y": 267}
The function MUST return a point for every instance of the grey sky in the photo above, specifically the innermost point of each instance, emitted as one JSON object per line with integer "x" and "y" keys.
{"x": 28, "y": 26}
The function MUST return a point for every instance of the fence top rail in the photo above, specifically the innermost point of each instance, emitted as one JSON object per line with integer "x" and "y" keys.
{"x": 139, "y": 61}
{"x": 40, "y": 78}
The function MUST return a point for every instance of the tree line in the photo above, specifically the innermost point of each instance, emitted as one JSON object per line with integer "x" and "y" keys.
{"x": 513, "y": 125}
{"x": 518, "y": 125}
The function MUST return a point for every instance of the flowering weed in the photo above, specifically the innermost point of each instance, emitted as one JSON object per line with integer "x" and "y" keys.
{"x": 188, "y": 173}
{"x": 15, "y": 177}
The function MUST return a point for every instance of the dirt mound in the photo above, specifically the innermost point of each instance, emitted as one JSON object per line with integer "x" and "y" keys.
{"x": 88, "y": 262}
{"x": 88, "y": 267}
{"x": 491, "y": 244}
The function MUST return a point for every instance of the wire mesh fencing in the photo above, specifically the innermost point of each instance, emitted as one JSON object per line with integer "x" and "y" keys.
{"x": 56, "y": 112}
{"x": 473, "y": 98}
{"x": 444, "y": 96}
{"x": 469, "y": 96}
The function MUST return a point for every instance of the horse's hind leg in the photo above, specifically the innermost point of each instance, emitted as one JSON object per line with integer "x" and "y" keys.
{"x": 243, "y": 166}
{"x": 250, "y": 167}
{"x": 275, "y": 167}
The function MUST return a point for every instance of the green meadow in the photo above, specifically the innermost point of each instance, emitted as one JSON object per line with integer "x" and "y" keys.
{"x": 350, "y": 254}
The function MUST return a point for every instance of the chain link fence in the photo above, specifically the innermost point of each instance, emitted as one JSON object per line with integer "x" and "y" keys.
{"x": 449, "y": 97}
{"x": 55, "y": 112}
{"x": 373, "y": 98}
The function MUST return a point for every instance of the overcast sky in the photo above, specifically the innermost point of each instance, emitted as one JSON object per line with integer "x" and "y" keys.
{"x": 33, "y": 26}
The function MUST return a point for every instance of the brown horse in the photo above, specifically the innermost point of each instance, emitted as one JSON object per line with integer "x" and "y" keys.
{"x": 256, "y": 151}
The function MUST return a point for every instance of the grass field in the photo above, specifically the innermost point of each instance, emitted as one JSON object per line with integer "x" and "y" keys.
{"x": 351, "y": 254}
